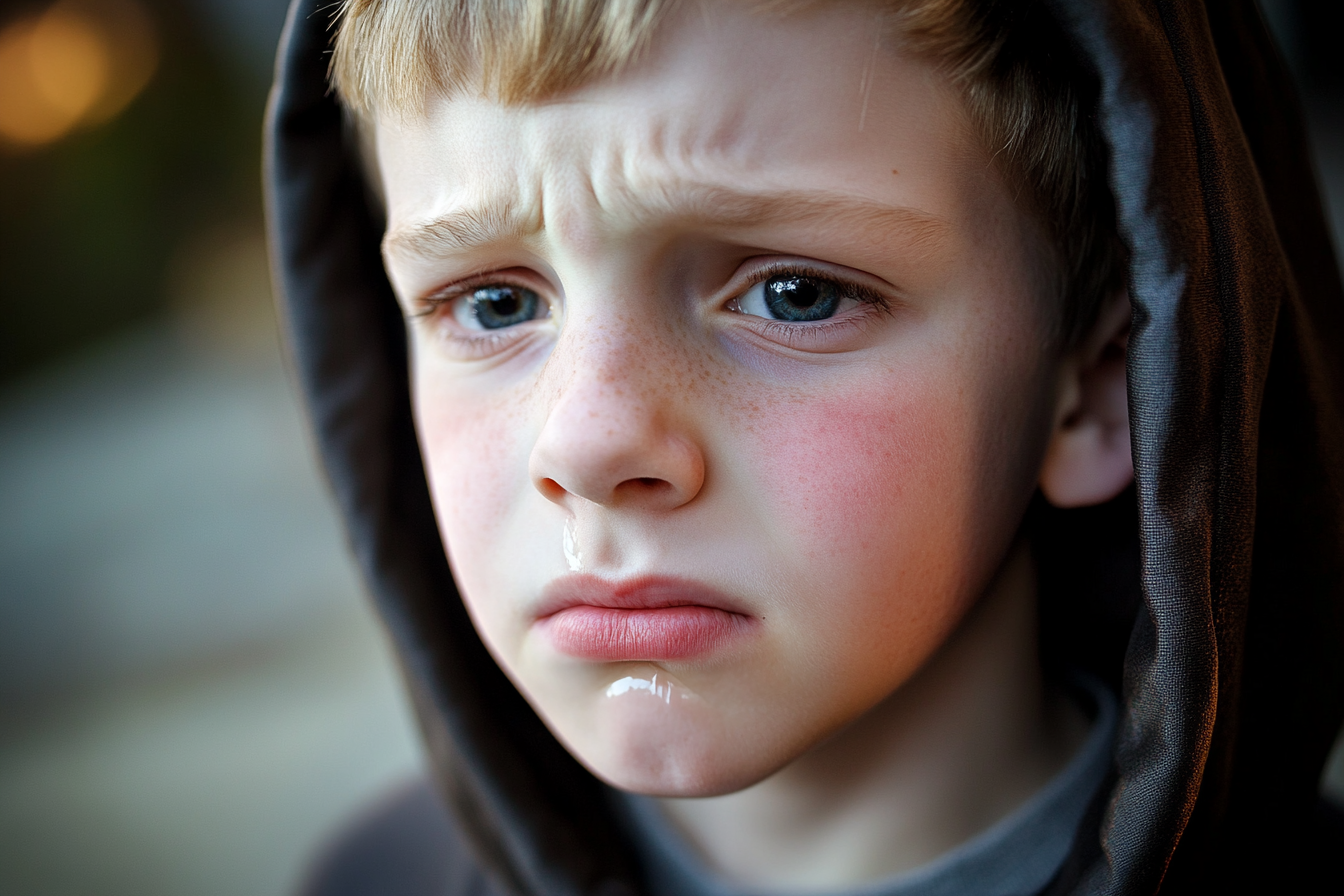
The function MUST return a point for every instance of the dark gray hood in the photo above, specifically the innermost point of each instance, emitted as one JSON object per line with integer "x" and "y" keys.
{"x": 1211, "y": 594}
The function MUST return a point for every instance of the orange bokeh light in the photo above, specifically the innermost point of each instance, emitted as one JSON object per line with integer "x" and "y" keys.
{"x": 78, "y": 63}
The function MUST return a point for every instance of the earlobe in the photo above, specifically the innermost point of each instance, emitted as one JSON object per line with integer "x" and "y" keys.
{"x": 1088, "y": 459}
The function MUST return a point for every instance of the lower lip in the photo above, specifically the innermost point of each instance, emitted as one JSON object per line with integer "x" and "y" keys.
{"x": 665, "y": 633}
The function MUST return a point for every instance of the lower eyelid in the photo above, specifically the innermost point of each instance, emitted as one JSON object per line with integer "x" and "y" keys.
{"x": 821, "y": 336}
{"x": 483, "y": 344}
{"x": 816, "y": 336}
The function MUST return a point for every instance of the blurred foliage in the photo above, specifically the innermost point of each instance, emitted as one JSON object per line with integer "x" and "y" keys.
{"x": 90, "y": 224}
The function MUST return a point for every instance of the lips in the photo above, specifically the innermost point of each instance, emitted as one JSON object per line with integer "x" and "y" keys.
{"x": 649, "y": 618}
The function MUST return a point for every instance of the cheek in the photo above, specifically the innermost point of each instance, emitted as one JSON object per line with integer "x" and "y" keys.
{"x": 874, "y": 521}
{"x": 476, "y": 461}
{"x": 867, "y": 472}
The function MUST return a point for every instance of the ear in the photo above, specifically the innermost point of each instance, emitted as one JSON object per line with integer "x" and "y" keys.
{"x": 1087, "y": 460}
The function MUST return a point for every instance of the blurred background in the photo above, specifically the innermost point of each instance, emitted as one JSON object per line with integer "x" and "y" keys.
{"x": 193, "y": 693}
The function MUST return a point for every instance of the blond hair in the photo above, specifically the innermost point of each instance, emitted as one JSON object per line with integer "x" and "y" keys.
{"x": 1028, "y": 94}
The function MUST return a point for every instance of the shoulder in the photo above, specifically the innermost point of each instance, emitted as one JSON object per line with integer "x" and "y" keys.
{"x": 406, "y": 844}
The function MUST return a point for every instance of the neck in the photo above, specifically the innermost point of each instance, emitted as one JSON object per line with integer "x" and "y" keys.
{"x": 963, "y": 743}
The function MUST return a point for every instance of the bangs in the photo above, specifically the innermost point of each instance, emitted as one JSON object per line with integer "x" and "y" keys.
{"x": 393, "y": 55}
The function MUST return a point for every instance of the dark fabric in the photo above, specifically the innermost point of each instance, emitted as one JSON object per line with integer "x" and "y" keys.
{"x": 407, "y": 845}
{"x": 1219, "y": 577}
{"x": 1086, "y": 848}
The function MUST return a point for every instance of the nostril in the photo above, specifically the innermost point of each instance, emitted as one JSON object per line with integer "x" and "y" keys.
{"x": 550, "y": 489}
{"x": 643, "y": 489}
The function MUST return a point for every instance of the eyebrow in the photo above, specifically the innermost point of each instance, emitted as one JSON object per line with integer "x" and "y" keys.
{"x": 501, "y": 219}
{"x": 495, "y": 220}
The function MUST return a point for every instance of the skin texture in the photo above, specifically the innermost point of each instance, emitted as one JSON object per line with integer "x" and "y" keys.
{"x": 852, "y": 487}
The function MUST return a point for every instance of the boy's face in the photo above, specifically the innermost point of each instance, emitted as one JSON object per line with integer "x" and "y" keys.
{"x": 730, "y": 380}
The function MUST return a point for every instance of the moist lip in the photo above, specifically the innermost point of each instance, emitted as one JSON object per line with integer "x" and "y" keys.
{"x": 646, "y": 618}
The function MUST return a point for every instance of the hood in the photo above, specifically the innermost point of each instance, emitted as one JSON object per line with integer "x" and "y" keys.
{"x": 1210, "y": 594}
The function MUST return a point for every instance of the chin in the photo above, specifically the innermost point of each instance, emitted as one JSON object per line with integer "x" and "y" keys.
{"x": 655, "y": 747}
{"x": 658, "y": 771}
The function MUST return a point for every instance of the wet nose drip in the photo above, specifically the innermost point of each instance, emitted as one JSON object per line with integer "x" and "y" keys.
{"x": 569, "y": 540}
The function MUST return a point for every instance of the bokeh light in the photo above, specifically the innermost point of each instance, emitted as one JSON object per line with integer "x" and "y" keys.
{"x": 78, "y": 63}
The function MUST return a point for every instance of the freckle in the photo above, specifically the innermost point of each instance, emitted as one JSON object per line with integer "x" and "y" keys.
{"x": 894, "y": 171}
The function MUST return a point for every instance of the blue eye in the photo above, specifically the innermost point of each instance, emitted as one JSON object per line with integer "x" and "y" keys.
{"x": 792, "y": 297}
{"x": 497, "y": 306}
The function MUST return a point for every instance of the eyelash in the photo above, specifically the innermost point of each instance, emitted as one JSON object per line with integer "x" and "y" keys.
{"x": 856, "y": 291}
{"x": 814, "y": 335}
{"x": 789, "y": 333}
{"x": 431, "y": 304}
{"x": 479, "y": 345}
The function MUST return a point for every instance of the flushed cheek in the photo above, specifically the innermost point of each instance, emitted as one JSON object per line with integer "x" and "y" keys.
{"x": 868, "y": 496}
{"x": 848, "y": 468}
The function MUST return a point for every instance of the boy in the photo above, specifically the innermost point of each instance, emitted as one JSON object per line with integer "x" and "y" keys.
{"x": 741, "y": 337}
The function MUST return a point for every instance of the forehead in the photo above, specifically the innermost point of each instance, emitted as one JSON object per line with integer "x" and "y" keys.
{"x": 733, "y": 114}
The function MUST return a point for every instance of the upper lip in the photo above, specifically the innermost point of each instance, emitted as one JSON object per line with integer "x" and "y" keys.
{"x": 646, "y": 592}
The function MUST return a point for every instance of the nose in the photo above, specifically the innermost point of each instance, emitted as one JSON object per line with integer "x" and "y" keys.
{"x": 613, "y": 436}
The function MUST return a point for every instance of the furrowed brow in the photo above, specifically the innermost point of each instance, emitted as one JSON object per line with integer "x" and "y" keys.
{"x": 462, "y": 229}
{"x": 711, "y": 206}
{"x": 734, "y": 209}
